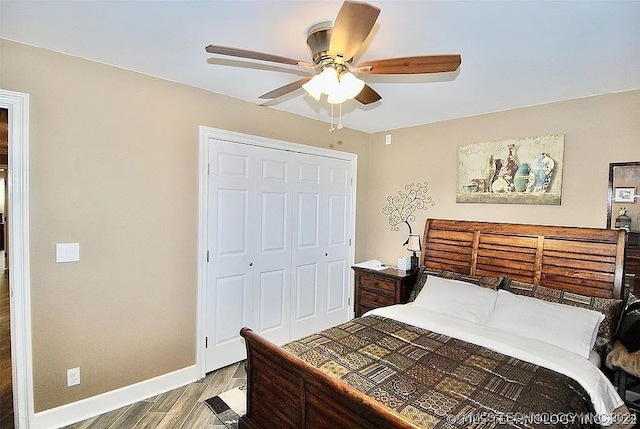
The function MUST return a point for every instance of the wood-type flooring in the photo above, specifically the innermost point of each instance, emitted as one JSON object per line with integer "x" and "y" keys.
{"x": 6, "y": 394}
{"x": 181, "y": 408}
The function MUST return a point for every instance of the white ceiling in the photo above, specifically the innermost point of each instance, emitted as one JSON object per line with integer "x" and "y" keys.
{"x": 514, "y": 54}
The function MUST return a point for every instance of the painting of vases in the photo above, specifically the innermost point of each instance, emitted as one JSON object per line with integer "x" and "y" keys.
{"x": 520, "y": 171}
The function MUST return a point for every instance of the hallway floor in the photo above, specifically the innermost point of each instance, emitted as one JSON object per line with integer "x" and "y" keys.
{"x": 6, "y": 394}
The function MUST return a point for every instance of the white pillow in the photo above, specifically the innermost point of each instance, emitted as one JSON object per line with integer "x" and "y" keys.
{"x": 565, "y": 326}
{"x": 457, "y": 298}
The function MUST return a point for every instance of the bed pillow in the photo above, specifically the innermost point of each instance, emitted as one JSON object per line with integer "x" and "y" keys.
{"x": 611, "y": 308}
{"x": 456, "y": 298}
{"x": 488, "y": 282}
{"x": 571, "y": 328}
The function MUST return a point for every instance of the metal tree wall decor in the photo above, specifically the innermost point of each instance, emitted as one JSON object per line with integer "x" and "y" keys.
{"x": 401, "y": 209}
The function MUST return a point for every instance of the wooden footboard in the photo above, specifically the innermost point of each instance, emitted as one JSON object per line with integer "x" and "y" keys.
{"x": 286, "y": 392}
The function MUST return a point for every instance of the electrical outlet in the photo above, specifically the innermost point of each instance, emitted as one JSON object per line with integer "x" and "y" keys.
{"x": 73, "y": 377}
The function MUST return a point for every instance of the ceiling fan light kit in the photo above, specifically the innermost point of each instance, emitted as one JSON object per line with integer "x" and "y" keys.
{"x": 338, "y": 87}
{"x": 332, "y": 48}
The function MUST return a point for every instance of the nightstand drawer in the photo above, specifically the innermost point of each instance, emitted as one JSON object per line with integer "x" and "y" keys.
{"x": 378, "y": 285}
{"x": 373, "y": 300}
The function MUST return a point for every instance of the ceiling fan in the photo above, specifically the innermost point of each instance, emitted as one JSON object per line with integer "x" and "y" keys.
{"x": 333, "y": 46}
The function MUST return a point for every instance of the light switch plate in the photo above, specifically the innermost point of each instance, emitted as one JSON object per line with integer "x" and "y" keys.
{"x": 67, "y": 252}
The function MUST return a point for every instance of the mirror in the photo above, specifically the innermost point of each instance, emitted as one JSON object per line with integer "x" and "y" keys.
{"x": 624, "y": 209}
{"x": 624, "y": 187}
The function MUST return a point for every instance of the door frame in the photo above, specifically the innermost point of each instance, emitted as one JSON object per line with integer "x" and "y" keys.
{"x": 19, "y": 263}
{"x": 206, "y": 133}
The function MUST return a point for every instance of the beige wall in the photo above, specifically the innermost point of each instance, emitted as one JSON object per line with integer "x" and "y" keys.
{"x": 113, "y": 166}
{"x": 598, "y": 130}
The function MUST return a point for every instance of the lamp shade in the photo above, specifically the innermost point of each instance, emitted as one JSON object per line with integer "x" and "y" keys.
{"x": 323, "y": 83}
{"x": 414, "y": 243}
{"x": 314, "y": 87}
{"x": 348, "y": 87}
{"x": 351, "y": 85}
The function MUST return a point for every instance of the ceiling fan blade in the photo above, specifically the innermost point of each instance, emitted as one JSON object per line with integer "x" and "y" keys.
{"x": 352, "y": 26}
{"x": 290, "y": 87}
{"x": 368, "y": 95}
{"x": 253, "y": 55}
{"x": 412, "y": 65}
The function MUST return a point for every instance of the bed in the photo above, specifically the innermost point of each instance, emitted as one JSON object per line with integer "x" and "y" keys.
{"x": 286, "y": 390}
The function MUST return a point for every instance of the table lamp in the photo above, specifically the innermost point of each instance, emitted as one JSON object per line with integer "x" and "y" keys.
{"x": 414, "y": 246}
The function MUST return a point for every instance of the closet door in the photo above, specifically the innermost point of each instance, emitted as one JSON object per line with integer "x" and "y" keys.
{"x": 321, "y": 245}
{"x": 272, "y": 284}
{"x": 248, "y": 281}
{"x": 278, "y": 228}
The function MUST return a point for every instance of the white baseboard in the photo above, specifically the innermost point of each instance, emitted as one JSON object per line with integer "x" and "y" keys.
{"x": 99, "y": 404}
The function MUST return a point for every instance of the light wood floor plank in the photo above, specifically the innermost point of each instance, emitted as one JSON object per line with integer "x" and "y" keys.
{"x": 133, "y": 415}
{"x": 151, "y": 420}
{"x": 6, "y": 386}
{"x": 104, "y": 421}
{"x": 218, "y": 382}
{"x": 180, "y": 411}
{"x": 200, "y": 417}
{"x": 167, "y": 400}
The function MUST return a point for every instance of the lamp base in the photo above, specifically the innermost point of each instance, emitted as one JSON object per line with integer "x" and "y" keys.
{"x": 414, "y": 262}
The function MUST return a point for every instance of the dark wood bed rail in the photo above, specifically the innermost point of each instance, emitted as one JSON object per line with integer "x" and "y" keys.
{"x": 301, "y": 396}
{"x": 588, "y": 261}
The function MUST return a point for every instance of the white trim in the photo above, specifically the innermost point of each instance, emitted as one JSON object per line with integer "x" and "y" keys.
{"x": 20, "y": 288}
{"x": 112, "y": 400}
{"x": 354, "y": 187}
{"x": 204, "y": 134}
{"x": 203, "y": 156}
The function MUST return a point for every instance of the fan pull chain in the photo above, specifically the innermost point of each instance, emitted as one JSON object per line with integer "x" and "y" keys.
{"x": 340, "y": 126}
{"x": 331, "y": 129}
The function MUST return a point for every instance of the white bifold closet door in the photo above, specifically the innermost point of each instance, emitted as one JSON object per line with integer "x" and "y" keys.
{"x": 278, "y": 242}
{"x": 320, "y": 254}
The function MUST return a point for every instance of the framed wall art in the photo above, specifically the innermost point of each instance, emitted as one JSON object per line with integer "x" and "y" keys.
{"x": 525, "y": 170}
{"x": 625, "y": 195}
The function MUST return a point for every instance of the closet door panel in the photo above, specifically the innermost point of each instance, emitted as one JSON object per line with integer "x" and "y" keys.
{"x": 273, "y": 291}
{"x": 338, "y": 207}
{"x": 229, "y": 293}
{"x": 309, "y": 259}
{"x": 306, "y": 257}
{"x": 306, "y": 291}
{"x": 232, "y": 222}
{"x": 273, "y": 245}
{"x": 336, "y": 292}
{"x": 308, "y": 227}
{"x": 337, "y": 220}
{"x": 322, "y": 229}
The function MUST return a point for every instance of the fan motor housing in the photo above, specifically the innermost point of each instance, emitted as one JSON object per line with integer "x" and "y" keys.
{"x": 318, "y": 40}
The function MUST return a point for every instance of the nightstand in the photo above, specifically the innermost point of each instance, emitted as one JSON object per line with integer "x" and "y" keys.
{"x": 381, "y": 288}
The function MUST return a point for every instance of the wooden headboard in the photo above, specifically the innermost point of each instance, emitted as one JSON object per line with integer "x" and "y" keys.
{"x": 588, "y": 261}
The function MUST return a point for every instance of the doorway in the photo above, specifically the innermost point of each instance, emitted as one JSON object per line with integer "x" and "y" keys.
{"x": 17, "y": 106}
{"x": 6, "y": 369}
{"x": 276, "y": 227}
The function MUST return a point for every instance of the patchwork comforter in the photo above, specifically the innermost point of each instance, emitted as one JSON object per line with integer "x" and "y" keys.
{"x": 443, "y": 382}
